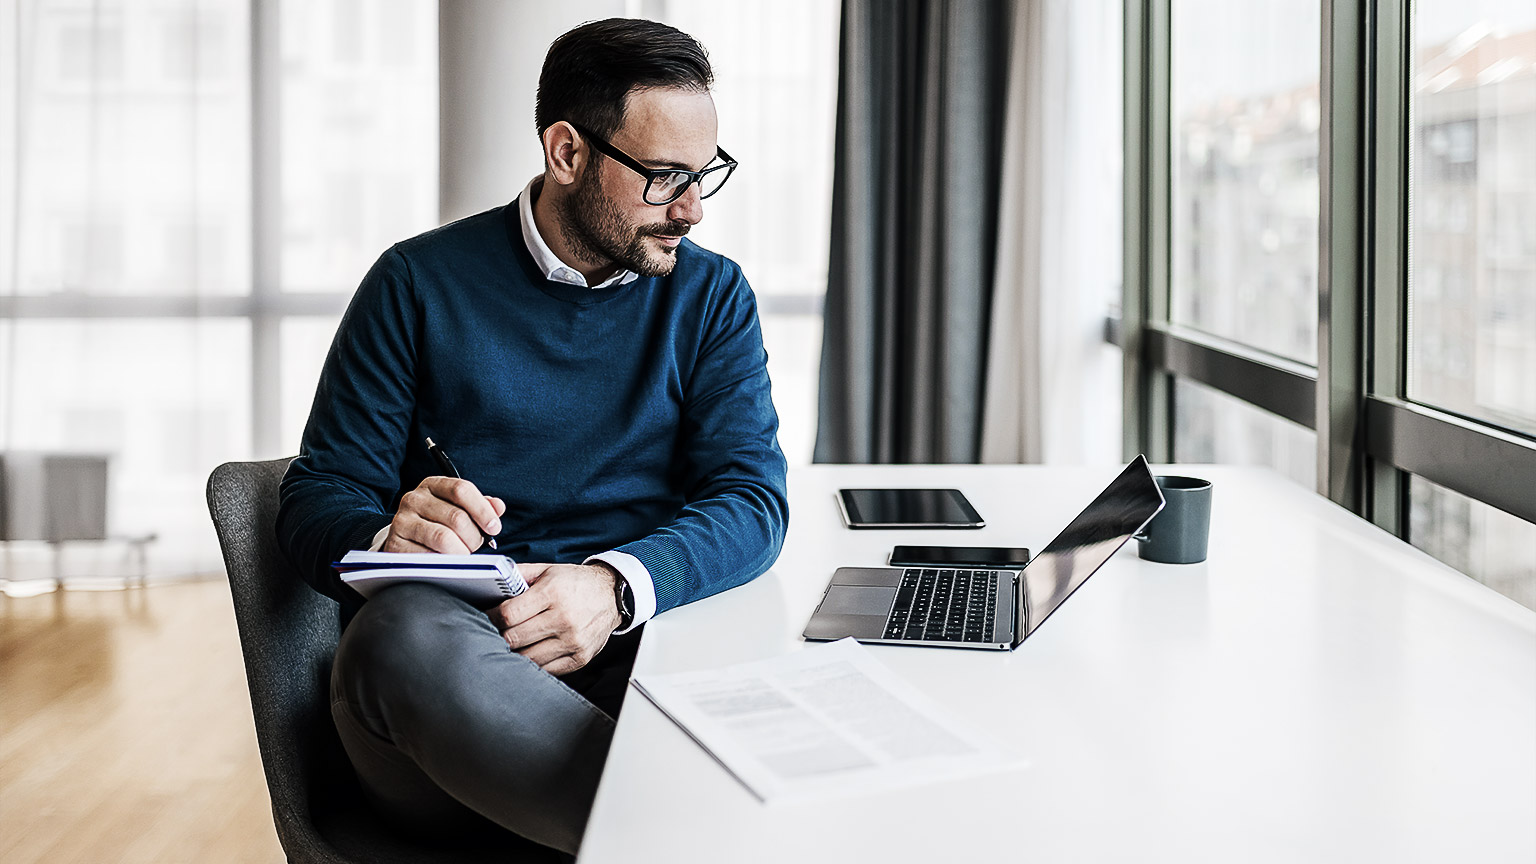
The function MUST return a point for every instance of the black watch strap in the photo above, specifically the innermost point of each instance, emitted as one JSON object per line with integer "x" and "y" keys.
{"x": 624, "y": 598}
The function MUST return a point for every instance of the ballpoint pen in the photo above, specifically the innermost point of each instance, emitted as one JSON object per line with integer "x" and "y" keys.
{"x": 446, "y": 466}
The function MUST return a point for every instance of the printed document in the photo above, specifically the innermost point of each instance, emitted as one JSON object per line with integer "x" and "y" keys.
{"x": 828, "y": 721}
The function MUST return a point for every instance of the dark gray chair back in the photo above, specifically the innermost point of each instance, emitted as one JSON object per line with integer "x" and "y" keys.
{"x": 288, "y": 635}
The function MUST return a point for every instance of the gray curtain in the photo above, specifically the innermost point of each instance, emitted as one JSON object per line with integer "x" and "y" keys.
{"x": 921, "y": 94}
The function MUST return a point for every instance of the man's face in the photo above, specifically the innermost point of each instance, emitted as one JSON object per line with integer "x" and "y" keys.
{"x": 606, "y": 217}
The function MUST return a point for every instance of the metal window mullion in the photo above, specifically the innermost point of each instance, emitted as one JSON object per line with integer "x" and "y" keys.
{"x": 1495, "y": 467}
{"x": 1386, "y": 484}
{"x": 1133, "y": 240}
{"x": 1344, "y": 219}
{"x": 119, "y": 306}
{"x": 1281, "y": 387}
{"x": 266, "y": 228}
{"x": 1147, "y": 390}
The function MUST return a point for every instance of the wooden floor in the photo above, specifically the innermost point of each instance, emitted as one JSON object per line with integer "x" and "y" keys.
{"x": 125, "y": 730}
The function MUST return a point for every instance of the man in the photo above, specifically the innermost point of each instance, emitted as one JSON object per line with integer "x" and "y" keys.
{"x": 601, "y": 384}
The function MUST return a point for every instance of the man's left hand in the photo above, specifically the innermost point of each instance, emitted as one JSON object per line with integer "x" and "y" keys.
{"x": 563, "y": 619}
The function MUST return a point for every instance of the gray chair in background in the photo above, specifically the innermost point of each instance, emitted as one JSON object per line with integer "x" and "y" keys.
{"x": 59, "y": 499}
{"x": 288, "y": 634}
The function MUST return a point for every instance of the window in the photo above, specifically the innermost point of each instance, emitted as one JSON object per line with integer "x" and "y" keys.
{"x": 1214, "y": 427}
{"x": 1483, "y": 542}
{"x": 1244, "y": 163}
{"x": 163, "y": 399}
{"x": 1472, "y": 211}
{"x": 136, "y": 183}
{"x": 1471, "y": 284}
{"x": 139, "y": 317}
{"x": 1396, "y": 349}
{"x": 1243, "y": 133}
{"x": 359, "y": 136}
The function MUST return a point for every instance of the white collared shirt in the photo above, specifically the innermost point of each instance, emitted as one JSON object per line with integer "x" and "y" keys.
{"x": 554, "y": 269}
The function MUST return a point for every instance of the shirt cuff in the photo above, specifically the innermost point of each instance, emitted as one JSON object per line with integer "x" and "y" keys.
{"x": 378, "y": 539}
{"x": 639, "y": 580}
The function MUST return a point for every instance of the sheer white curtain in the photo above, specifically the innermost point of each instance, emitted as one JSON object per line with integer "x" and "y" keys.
{"x": 125, "y": 154}
{"x": 145, "y": 316}
{"x": 1052, "y": 392}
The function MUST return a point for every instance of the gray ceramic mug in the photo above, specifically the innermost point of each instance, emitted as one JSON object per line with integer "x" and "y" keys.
{"x": 1180, "y": 533}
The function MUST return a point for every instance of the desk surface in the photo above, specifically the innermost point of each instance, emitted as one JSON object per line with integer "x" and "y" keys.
{"x": 1316, "y": 690}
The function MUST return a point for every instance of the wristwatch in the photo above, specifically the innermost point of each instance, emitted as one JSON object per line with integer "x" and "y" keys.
{"x": 624, "y": 598}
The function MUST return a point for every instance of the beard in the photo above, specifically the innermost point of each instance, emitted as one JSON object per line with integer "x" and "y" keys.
{"x": 597, "y": 232}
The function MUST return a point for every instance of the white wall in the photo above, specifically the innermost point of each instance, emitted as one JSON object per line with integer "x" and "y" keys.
{"x": 489, "y": 51}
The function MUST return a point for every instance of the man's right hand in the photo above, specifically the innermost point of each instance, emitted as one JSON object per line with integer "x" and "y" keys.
{"x": 444, "y": 514}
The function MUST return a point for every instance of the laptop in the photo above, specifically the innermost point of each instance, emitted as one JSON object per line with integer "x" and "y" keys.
{"x": 983, "y": 608}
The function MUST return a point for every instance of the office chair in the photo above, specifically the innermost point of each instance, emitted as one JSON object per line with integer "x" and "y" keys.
{"x": 288, "y": 635}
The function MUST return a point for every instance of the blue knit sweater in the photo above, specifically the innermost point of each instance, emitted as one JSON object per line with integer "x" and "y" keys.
{"x": 635, "y": 417}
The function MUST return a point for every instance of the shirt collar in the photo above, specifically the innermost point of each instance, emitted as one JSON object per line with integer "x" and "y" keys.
{"x": 554, "y": 269}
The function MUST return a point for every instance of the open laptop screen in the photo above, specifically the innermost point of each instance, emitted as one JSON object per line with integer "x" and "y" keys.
{"x": 1121, "y": 510}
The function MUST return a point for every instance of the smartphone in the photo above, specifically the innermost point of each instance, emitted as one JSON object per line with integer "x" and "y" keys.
{"x": 959, "y": 556}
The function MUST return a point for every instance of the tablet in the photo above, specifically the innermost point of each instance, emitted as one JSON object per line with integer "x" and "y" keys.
{"x": 907, "y": 508}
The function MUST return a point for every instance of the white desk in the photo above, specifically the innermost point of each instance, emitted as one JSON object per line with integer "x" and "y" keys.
{"x": 1315, "y": 691}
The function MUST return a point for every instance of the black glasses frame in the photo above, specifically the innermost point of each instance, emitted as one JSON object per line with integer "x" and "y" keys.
{"x": 651, "y": 175}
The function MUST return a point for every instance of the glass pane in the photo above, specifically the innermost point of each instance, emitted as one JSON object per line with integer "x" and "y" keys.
{"x": 1210, "y": 426}
{"x": 1491, "y": 546}
{"x": 165, "y": 400}
{"x": 1244, "y": 163}
{"x": 125, "y": 148}
{"x": 359, "y": 135}
{"x": 1472, "y": 288}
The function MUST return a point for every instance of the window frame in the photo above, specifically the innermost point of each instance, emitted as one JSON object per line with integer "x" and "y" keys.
{"x": 1370, "y": 435}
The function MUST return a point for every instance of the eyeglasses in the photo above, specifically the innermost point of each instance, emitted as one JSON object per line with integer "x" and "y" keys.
{"x": 665, "y": 185}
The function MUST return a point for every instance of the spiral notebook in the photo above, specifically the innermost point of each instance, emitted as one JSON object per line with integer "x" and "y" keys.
{"x": 483, "y": 580}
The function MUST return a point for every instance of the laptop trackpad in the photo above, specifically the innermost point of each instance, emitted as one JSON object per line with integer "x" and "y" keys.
{"x": 858, "y": 600}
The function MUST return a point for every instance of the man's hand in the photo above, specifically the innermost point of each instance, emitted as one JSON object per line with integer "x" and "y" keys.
{"x": 563, "y": 619}
{"x": 444, "y": 514}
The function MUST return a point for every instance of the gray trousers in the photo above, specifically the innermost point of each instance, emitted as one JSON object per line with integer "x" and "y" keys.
{"x": 447, "y": 727}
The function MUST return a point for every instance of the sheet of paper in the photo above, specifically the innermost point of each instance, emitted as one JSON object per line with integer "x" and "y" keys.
{"x": 828, "y": 721}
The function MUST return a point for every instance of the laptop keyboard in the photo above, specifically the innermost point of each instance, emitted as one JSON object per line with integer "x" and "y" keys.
{"x": 944, "y": 606}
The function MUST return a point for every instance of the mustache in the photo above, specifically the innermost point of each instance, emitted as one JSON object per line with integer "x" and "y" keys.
{"x": 670, "y": 229}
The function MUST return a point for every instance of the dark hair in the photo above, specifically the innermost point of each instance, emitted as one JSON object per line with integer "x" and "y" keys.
{"x": 590, "y": 70}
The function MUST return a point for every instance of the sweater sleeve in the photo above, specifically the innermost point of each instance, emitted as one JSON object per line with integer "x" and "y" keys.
{"x": 732, "y": 526}
{"x": 341, "y": 489}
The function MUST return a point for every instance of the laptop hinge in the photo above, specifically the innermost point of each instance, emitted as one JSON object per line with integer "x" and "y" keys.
{"x": 1021, "y": 610}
